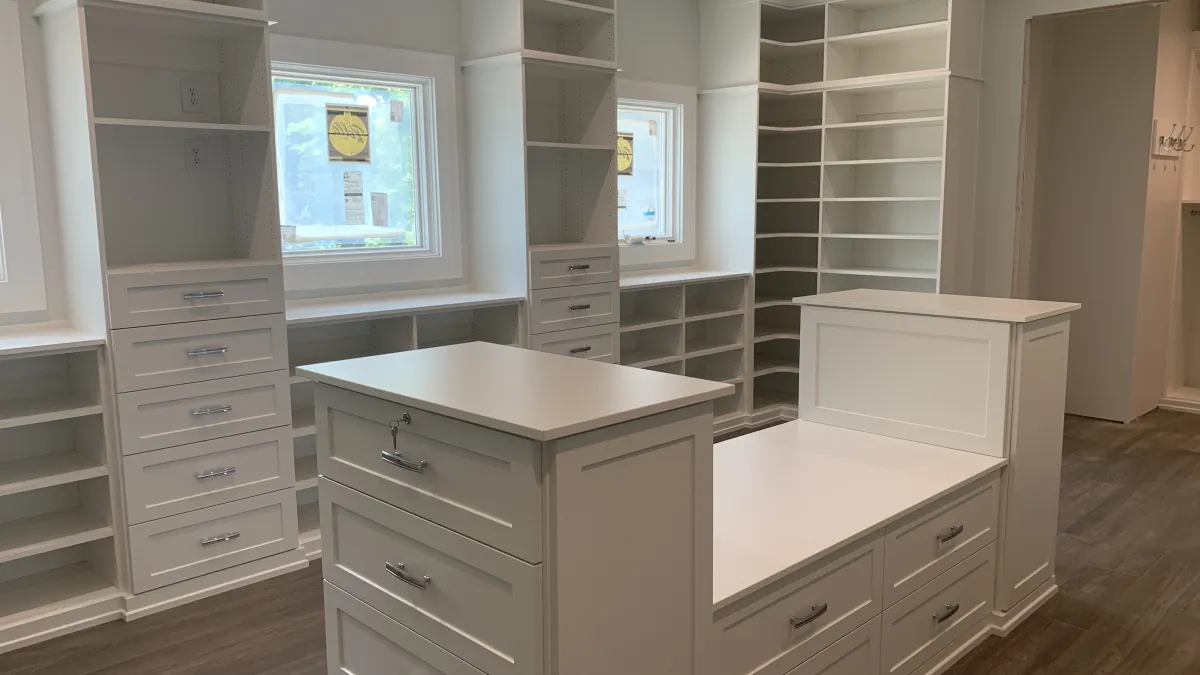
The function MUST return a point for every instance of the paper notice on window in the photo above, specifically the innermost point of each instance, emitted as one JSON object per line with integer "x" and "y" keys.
{"x": 356, "y": 207}
{"x": 398, "y": 111}
{"x": 348, "y": 133}
{"x": 379, "y": 209}
{"x": 622, "y": 199}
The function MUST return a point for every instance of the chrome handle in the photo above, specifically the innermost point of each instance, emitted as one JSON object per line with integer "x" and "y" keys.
{"x": 212, "y": 411}
{"x": 397, "y": 570}
{"x": 220, "y": 538}
{"x": 949, "y": 534}
{"x": 213, "y": 351}
{"x": 581, "y": 350}
{"x": 204, "y": 295}
{"x": 216, "y": 473}
{"x": 396, "y": 459}
{"x": 578, "y": 268}
{"x": 944, "y": 615}
{"x": 817, "y": 612}
{"x": 577, "y": 308}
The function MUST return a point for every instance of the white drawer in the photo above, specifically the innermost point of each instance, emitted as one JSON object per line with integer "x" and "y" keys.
{"x": 600, "y": 343}
{"x": 160, "y": 296}
{"x": 481, "y": 605}
{"x": 921, "y": 625}
{"x": 163, "y": 356}
{"x": 790, "y": 621}
{"x": 855, "y": 654}
{"x": 190, "y": 545}
{"x": 177, "y": 480}
{"x": 190, "y": 413}
{"x": 932, "y": 541}
{"x": 361, "y": 641}
{"x": 555, "y": 267}
{"x": 476, "y": 481}
{"x": 574, "y": 307}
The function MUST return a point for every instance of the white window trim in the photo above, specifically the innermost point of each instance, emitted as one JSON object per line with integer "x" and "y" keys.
{"x": 441, "y": 259}
{"x": 683, "y": 165}
{"x": 23, "y": 286}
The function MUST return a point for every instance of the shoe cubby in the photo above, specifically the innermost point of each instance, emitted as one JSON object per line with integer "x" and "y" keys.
{"x": 791, "y": 182}
{"x": 673, "y": 368}
{"x": 777, "y": 356}
{"x": 497, "y": 325}
{"x": 883, "y": 219}
{"x": 715, "y": 298}
{"x": 783, "y": 253}
{"x": 906, "y": 180}
{"x": 885, "y": 144}
{"x": 781, "y": 322}
{"x": 834, "y": 282}
{"x": 729, "y": 405}
{"x": 54, "y": 518}
{"x": 323, "y": 343}
{"x": 49, "y": 454}
{"x": 887, "y": 105}
{"x": 888, "y": 52}
{"x": 775, "y": 218}
{"x": 789, "y": 111}
{"x": 791, "y": 64}
{"x": 721, "y": 367}
{"x": 780, "y": 288}
{"x": 712, "y": 335}
{"x": 571, "y": 28}
{"x": 39, "y": 389}
{"x": 652, "y": 347}
{"x": 789, "y": 148}
{"x": 572, "y": 195}
{"x": 776, "y": 389}
{"x": 881, "y": 257}
{"x": 787, "y": 25}
{"x": 569, "y": 106}
{"x": 649, "y": 307}
{"x": 35, "y": 587}
{"x": 862, "y": 18}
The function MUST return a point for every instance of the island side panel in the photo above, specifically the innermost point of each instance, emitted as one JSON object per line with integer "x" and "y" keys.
{"x": 629, "y": 547}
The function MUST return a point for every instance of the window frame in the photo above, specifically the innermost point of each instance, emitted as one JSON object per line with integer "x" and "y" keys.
{"x": 440, "y": 260}
{"x": 23, "y": 285}
{"x": 681, "y": 173}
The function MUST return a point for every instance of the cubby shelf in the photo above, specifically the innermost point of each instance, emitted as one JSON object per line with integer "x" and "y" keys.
{"x": 890, "y": 123}
{"x": 897, "y": 160}
{"x": 565, "y": 10}
{"x": 893, "y": 237}
{"x": 306, "y": 472}
{"x": 777, "y": 130}
{"x": 791, "y": 200}
{"x": 703, "y": 316}
{"x": 772, "y": 302}
{"x": 36, "y": 473}
{"x": 699, "y": 349}
{"x": 883, "y": 272}
{"x": 200, "y": 9}
{"x": 53, "y": 591}
{"x": 304, "y": 423}
{"x": 785, "y": 268}
{"x": 888, "y": 36}
{"x": 544, "y": 145}
{"x": 42, "y": 409}
{"x": 787, "y": 235}
{"x": 50, "y": 532}
{"x": 882, "y": 199}
{"x": 786, "y": 165}
{"x": 194, "y": 127}
{"x": 309, "y": 517}
{"x": 646, "y": 323}
{"x": 768, "y": 333}
{"x": 647, "y": 359}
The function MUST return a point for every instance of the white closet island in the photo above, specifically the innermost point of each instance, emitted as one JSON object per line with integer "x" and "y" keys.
{"x": 492, "y": 510}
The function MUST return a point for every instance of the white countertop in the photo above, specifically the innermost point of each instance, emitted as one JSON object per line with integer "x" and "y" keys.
{"x": 531, "y": 394}
{"x": 786, "y": 496}
{"x": 670, "y": 276}
{"x": 382, "y": 305}
{"x": 38, "y": 338}
{"x": 1007, "y": 310}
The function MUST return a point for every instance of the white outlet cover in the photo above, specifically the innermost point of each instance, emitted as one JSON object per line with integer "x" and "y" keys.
{"x": 191, "y": 95}
{"x": 193, "y": 156}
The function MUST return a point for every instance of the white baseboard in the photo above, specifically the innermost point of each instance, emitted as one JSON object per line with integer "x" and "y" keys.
{"x": 57, "y": 624}
{"x": 1185, "y": 400}
{"x": 145, "y": 604}
{"x": 1005, "y": 622}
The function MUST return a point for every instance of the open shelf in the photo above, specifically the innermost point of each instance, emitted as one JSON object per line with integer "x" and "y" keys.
{"x": 53, "y": 518}
{"x": 795, "y": 252}
{"x": 306, "y": 472}
{"x": 869, "y": 257}
{"x": 323, "y": 343}
{"x": 777, "y": 323}
{"x": 41, "y": 389}
{"x": 51, "y": 591}
{"x": 304, "y": 423}
{"x": 777, "y": 356}
{"x": 834, "y": 282}
{"x": 888, "y": 52}
{"x": 789, "y": 183}
{"x": 788, "y": 218}
{"x": 865, "y": 271}
{"x": 572, "y": 196}
{"x": 721, "y": 367}
{"x": 194, "y": 128}
{"x": 881, "y": 144}
{"x": 651, "y": 307}
{"x": 788, "y": 25}
{"x": 566, "y": 10}
{"x": 714, "y": 335}
{"x": 729, "y": 405}
{"x": 498, "y": 325}
{"x": 565, "y": 110}
{"x": 554, "y": 145}
{"x": 646, "y": 348}
{"x": 782, "y": 288}
{"x": 580, "y": 29}
{"x": 776, "y": 389}
{"x": 46, "y": 455}
{"x": 909, "y": 102}
{"x": 886, "y": 181}
{"x": 791, "y": 63}
{"x": 789, "y": 112}
{"x": 791, "y": 148}
{"x": 866, "y": 18}
{"x": 670, "y": 368}
{"x": 309, "y": 516}
{"x": 715, "y": 299}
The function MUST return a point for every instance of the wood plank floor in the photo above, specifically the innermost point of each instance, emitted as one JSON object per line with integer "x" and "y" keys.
{"x": 1128, "y": 564}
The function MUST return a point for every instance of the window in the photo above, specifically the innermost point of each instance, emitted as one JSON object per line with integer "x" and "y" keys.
{"x": 655, "y": 186}
{"x": 366, "y": 143}
{"x": 22, "y": 284}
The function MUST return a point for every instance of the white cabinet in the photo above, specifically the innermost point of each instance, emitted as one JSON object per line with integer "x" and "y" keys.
{"x": 154, "y": 296}
{"x": 855, "y": 654}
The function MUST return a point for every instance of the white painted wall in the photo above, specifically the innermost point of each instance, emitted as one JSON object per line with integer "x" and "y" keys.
{"x": 1000, "y": 134}
{"x": 658, "y": 40}
{"x": 419, "y": 25}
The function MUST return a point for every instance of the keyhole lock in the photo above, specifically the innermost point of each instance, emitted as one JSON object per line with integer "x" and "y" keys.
{"x": 406, "y": 419}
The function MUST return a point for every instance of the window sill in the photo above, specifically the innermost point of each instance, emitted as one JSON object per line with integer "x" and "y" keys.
{"x": 383, "y": 305}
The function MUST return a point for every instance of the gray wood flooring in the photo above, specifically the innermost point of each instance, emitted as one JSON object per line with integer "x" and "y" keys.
{"x": 1128, "y": 564}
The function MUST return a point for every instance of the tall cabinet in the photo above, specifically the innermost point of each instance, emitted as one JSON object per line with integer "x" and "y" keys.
{"x": 858, "y": 121}
{"x": 163, "y": 125}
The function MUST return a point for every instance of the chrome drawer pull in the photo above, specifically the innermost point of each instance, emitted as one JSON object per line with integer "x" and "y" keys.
{"x": 204, "y": 295}
{"x": 578, "y": 268}
{"x": 949, "y": 534}
{"x": 221, "y": 538}
{"x": 212, "y": 411}
{"x": 396, "y": 459}
{"x": 581, "y": 350}
{"x": 944, "y": 615}
{"x": 213, "y": 351}
{"x": 397, "y": 570}
{"x": 216, "y": 473}
{"x": 817, "y": 612}
{"x": 579, "y": 308}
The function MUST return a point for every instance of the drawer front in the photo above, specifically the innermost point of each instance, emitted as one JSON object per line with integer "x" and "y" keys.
{"x": 164, "y": 356}
{"x": 928, "y": 543}
{"x": 191, "y": 477}
{"x": 190, "y": 413}
{"x": 789, "y": 622}
{"x": 855, "y": 654}
{"x": 921, "y": 625}
{"x": 602, "y": 343}
{"x": 156, "y": 298}
{"x": 482, "y": 605}
{"x": 475, "y": 481}
{"x": 361, "y": 641}
{"x": 190, "y": 545}
{"x": 576, "y": 307}
{"x": 556, "y": 268}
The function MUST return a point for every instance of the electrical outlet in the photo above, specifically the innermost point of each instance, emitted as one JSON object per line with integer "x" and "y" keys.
{"x": 194, "y": 157}
{"x": 190, "y": 96}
